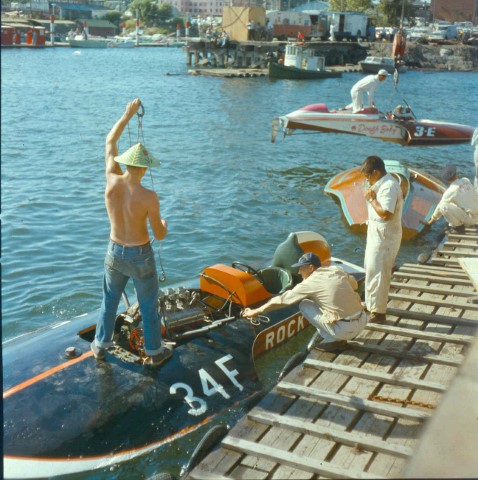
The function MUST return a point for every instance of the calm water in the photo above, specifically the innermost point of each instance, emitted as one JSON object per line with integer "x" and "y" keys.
{"x": 226, "y": 191}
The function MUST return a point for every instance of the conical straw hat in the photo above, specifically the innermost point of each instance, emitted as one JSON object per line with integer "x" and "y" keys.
{"x": 137, "y": 156}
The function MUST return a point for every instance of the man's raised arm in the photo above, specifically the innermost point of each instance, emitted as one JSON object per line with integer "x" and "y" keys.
{"x": 111, "y": 147}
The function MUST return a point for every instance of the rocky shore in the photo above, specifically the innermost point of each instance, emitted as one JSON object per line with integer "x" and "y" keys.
{"x": 446, "y": 56}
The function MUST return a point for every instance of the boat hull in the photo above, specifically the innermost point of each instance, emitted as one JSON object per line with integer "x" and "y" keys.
{"x": 89, "y": 43}
{"x": 422, "y": 194}
{"x": 282, "y": 72}
{"x": 387, "y": 128}
{"x": 66, "y": 413}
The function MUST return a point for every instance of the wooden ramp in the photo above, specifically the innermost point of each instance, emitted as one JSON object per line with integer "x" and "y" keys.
{"x": 360, "y": 413}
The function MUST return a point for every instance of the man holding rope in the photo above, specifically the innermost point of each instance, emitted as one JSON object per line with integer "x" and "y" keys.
{"x": 130, "y": 208}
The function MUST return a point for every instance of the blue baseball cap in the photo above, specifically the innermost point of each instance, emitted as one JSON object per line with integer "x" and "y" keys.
{"x": 308, "y": 259}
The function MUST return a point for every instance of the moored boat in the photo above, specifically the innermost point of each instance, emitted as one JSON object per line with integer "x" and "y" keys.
{"x": 421, "y": 193}
{"x": 398, "y": 126}
{"x": 301, "y": 63}
{"x": 374, "y": 64}
{"x": 66, "y": 413}
{"x": 91, "y": 42}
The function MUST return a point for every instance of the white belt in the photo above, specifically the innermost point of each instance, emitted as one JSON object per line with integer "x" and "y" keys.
{"x": 355, "y": 316}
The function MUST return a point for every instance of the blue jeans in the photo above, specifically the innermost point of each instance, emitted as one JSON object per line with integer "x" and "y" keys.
{"x": 121, "y": 264}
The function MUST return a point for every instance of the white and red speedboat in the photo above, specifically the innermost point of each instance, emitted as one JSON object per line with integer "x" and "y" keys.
{"x": 399, "y": 126}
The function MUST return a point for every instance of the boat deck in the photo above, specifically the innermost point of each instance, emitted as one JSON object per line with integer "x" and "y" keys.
{"x": 361, "y": 412}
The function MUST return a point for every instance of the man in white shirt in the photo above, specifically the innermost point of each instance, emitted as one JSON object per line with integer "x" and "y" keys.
{"x": 328, "y": 300}
{"x": 459, "y": 203}
{"x": 369, "y": 85}
{"x": 384, "y": 234}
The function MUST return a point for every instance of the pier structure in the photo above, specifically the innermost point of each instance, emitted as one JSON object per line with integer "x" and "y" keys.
{"x": 361, "y": 413}
{"x": 255, "y": 54}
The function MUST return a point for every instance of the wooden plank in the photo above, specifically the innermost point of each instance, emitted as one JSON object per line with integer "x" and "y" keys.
{"x": 429, "y": 317}
{"x": 435, "y": 290}
{"x": 413, "y": 333}
{"x": 470, "y": 267}
{"x": 347, "y": 438}
{"x": 198, "y": 474}
{"x": 420, "y": 266}
{"x": 455, "y": 253}
{"x": 376, "y": 377}
{"x": 452, "y": 271}
{"x": 463, "y": 237}
{"x": 433, "y": 302}
{"x": 320, "y": 467}
{"x": 403, "y": 354}
{"x": 354, "y": 402}
{"x": 434, "y": 278}
{"x": 461, "y": 244}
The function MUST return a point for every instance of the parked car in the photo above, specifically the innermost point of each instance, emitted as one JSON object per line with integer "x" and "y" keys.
{"x": 418, "y": 33}
{"x": 444, "y": 32}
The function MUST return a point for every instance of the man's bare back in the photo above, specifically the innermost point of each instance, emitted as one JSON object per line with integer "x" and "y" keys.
{"x": 128, "y": 203}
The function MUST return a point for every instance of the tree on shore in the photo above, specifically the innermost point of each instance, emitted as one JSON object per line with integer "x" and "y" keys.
{"x": 350, "y": 5}
{"x": 392, "y": 10}
{"x": 148, "y": 11}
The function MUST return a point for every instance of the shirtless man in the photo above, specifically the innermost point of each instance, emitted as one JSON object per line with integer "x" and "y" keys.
{"x": 130, "y": 207}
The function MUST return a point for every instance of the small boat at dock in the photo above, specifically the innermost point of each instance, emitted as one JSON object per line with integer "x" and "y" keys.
{"x": 374, "y": 64}
{"x": 421, "y": 193}
{"x": 398, "y": 126}
{"x": 65, "y": 413}
{"x": 301, "y": 63}
{"x": 79, "y": 41}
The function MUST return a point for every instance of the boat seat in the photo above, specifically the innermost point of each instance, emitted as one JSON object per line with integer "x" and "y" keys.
{"x": 316, "y": 107}
{"x": 276, "y": 280}
{"x": 287, "y": 253}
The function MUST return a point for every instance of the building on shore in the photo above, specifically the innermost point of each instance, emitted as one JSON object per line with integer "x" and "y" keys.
{"x": 454, "y": 10}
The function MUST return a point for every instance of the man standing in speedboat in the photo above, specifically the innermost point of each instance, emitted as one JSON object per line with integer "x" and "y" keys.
{"x": 369, "y": 85}
{"x": 384, "y": 234}
{"x": 328, "y": 299}
{"x": 459, "y": 203}
{"x": 130, "y": 207}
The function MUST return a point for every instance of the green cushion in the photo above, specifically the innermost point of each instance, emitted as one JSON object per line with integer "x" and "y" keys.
{"x": 288, "y": 253}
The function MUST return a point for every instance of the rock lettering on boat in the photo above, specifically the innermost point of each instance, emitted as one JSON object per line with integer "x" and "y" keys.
{"x": 279, "y": 333}
{"x": 206, "y": 380}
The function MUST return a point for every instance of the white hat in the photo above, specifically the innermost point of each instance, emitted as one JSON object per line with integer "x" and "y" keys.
{"x": 383, "y": 72}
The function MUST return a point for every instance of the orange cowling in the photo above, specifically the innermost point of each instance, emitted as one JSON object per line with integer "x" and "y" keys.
{"x": 246, "y": 289}
{"x": 399, "y": 44}
{"x": 320, "y": 247}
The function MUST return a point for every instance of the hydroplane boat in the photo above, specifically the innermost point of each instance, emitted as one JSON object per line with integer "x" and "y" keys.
{"x": 66, "y": 413}
{"x": 421, "y": 193}
{"x": 399, "y": 126}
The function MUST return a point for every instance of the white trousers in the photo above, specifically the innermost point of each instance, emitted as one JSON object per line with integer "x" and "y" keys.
{"x": 357, "y": 100}
{"x": 456, "y": 216}
{"x": 380, "y": 253}
{"x": 331, "y": 332}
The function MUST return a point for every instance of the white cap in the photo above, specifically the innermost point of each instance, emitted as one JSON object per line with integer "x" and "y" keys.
{"x": 383, "y": 72}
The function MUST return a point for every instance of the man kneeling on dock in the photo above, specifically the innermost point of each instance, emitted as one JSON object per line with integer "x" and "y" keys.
{"x": 328, "y": 300}
{"x": 459, "y": 203}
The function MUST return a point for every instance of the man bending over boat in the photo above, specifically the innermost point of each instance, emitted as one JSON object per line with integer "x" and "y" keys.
{"x": 384, "y": 234}
{"x": 328, "y": 299}
{"x": 369, "y": 85}
{"x": 459, "y": 203}
{"x": 130, "y": 207}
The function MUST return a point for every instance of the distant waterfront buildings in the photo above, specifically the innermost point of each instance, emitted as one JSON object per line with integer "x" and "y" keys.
{"x": 455, "y": 10}
{"x": 204, "y": 8}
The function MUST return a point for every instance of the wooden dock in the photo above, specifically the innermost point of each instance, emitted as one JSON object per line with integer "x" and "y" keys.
{"x": 360, "y": 413}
